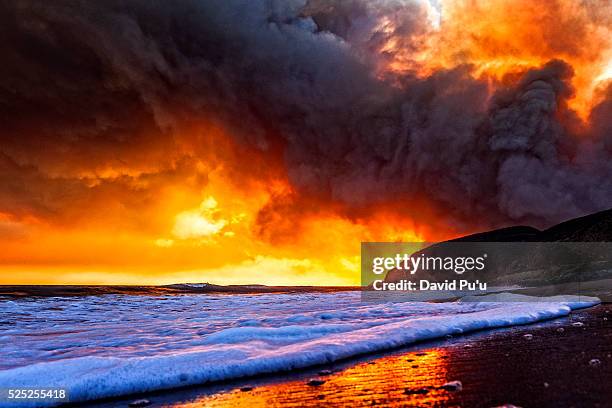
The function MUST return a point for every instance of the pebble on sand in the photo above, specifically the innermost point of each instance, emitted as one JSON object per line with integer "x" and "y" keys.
{"x": 594, "y": 362}
{"x": 560, "y": 330}
{"x": 528, "y": 336}
{"x": 140, "y": 403}
{"x": 315, "y": 382}
{"x": 577, "y": 324}
{"x": 246, "y": 388}
{"x": 452, "y": 386}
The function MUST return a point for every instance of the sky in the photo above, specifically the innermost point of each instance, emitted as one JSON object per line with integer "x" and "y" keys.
{"x": 260, "y": 141}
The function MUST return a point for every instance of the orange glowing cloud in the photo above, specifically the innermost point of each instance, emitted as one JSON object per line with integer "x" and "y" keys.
{"x": 499, "y": 37}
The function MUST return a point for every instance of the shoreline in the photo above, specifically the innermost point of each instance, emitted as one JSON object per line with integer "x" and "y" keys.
{"x": 529, "y": 365}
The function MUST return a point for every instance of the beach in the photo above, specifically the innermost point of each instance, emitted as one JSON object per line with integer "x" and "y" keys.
{"x": 537, "y": 365}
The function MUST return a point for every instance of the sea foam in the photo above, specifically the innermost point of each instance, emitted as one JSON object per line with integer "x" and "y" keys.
{"x": 196, "y": 339}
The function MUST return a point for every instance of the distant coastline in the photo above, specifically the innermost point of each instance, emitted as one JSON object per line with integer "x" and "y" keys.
{"x": 165, "y": 290}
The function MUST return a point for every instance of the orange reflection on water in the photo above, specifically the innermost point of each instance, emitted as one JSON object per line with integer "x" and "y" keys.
{"x": 390, "y": 381}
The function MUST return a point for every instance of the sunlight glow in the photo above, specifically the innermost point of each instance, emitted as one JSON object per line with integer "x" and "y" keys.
{"x": 199, "y": 223}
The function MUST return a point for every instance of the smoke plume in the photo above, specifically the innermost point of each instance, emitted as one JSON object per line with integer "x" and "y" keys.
{"x": 341, "y": 95}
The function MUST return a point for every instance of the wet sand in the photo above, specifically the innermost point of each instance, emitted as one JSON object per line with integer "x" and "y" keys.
{"x": 549, "y": 369}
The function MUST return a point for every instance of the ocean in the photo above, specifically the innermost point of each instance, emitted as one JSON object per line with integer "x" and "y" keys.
{"x": 113, "y": 345}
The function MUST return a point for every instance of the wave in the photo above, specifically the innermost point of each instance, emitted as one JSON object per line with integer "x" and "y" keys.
{"x": 236, "y": 352}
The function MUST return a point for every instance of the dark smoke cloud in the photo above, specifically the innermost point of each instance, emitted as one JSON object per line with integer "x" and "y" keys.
{"x": 86, "y": 85}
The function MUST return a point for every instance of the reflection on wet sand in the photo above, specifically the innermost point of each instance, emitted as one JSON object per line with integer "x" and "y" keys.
{"x": 397, "y": 380}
